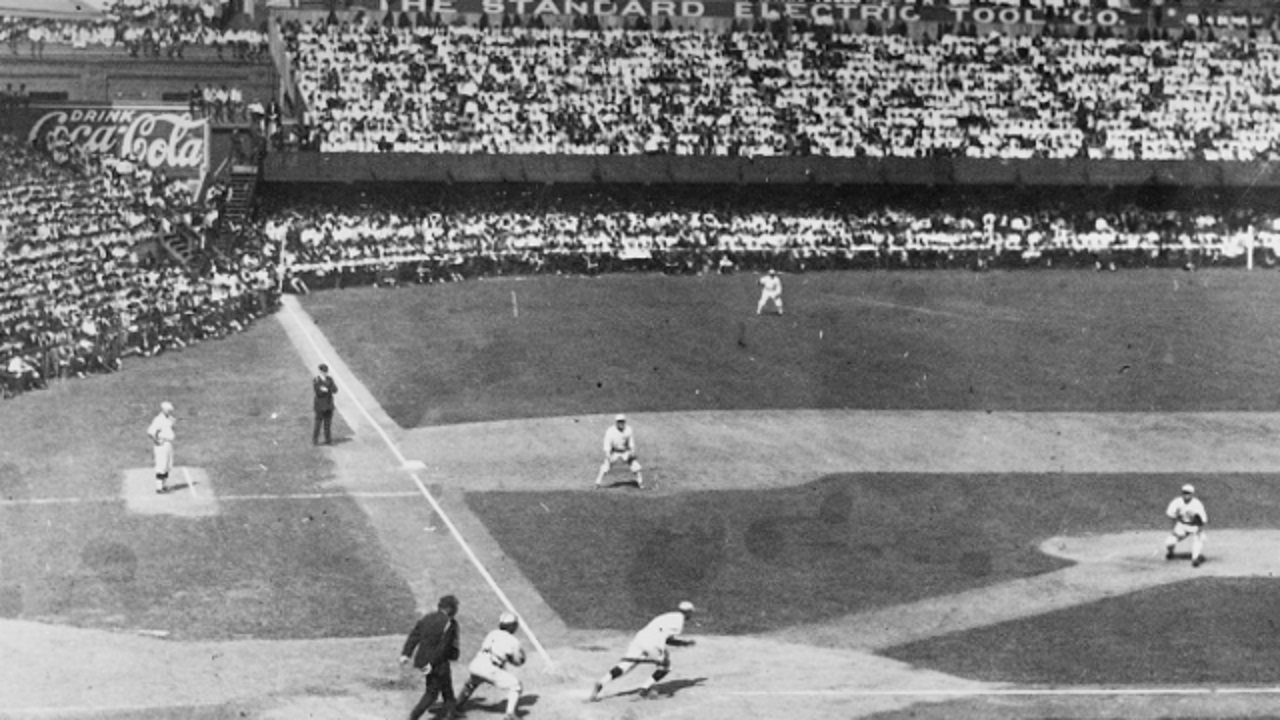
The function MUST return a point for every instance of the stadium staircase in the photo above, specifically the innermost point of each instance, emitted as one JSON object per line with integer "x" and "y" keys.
{"x": 243, "y": 182}
{"x": 184, "y": 245}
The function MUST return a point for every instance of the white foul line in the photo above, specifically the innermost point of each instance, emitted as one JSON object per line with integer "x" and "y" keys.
{"x": 109, "y": 499}
{"x": 435, "y": 504}
{"x": 1015, "y": 692}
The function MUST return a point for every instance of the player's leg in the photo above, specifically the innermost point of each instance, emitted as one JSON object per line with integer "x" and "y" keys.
{"x": 317, "y": 427}
{"x": 604, "y": 469}
{"x": 764, "y": 298}
{"x": 664, "y": 667}
{"x": 506, "y": 681}
{"x": 622, "y": 668}
{"x": 1171, "y": 541}
{"x": 163, "y": 453}
{"x": 634, "y": 464}
{"x": 469, "y": 687}
{"x": 777, "y": 301}
{"x": 1197, "y": 548}
{"x": 328, "y": 427}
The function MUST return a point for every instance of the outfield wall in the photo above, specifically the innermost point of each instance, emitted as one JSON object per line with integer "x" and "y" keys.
{"x": 305, "y": 167}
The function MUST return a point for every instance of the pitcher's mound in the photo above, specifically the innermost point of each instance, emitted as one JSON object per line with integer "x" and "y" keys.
{"x": 190, "y": 493}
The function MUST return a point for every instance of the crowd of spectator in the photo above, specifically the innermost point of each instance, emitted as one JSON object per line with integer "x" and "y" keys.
{"x": 370, "y": 86}
{"x": 463, "y": 233}
{"x": 141, "y": 28}
{"x": 86, "y": 279}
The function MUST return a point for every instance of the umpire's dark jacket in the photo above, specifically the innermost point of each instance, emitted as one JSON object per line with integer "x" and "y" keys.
{"x": 325, "y": 387}
{"x": 433, "y": 640}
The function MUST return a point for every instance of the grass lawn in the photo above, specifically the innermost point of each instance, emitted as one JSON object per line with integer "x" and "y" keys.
{"x": 1201, "y": 632}
{"x": 764, "y": 560}
{"x": 1153, "y": 340}
{"x": 260, "y": 568}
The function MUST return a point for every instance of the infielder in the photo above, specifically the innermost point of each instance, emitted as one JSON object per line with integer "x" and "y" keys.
{"x": 162, "y": 437}
{"x": 770, "y": 289}
{"x": 500, "y": 648}
{"x": 1189, "y": 519}
{"x": 650, "y": 646}
{"x": 620, "y": 447}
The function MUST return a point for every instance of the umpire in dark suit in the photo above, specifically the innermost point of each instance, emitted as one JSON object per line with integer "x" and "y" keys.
{"x": 431, "y": 644}
{"x": 325, "y": 388}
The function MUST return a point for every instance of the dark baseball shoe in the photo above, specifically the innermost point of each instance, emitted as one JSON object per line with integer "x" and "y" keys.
{"x": 1197, "y": 562}
{"x": 1168, "y": 554}
{"x": 595, "y": 692}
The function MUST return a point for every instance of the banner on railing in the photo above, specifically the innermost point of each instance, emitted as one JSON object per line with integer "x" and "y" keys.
{"x": 908, "y": 12}
{"x": 161, "y": 137}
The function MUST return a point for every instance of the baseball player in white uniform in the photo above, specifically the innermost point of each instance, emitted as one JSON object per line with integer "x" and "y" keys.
{"x": 162, "y": 436}
{"x": 500, "y": 649}
{"x": 620, "y": 447}
{"x": 650, "y": 645}
{"x": 1189, "y": 519}
{"x": 770, "y": 289}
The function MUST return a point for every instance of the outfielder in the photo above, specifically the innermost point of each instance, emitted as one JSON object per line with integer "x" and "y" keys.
{"x": 620, "y": 447}
{"x": 500, "y": 648}
{"x": 650, "y": 646}
{"x": 770, "y": 289}
{"x": 161, "y": 433}
{"x": 1189, "y": 519}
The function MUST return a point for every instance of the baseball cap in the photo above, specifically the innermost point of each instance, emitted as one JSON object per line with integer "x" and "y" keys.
{"x": 324, "y": 368}
{"x": 448, "y": 602}
{"x": 619, "y": 418}
{"x": 1188, "y": 488}
{"x": 685, "y": 606}
{"x": 166, "y": 405}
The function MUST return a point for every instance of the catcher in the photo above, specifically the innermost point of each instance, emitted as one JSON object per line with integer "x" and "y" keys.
{"x": 650, "y": 646}
{"x": 501, "y": 648}
{"x": 620, "y": 447}
{"x": 1189, "y": 519}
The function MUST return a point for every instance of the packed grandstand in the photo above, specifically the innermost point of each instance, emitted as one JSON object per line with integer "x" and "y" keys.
{"x": 89, "y": 225}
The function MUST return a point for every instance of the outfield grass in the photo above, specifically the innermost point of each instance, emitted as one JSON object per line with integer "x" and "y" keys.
{"x": 1154, "y": 340}
{"x": 277, "y": 569}
{"x": 1201, "y": 632}
{"x": 765, "y": 560}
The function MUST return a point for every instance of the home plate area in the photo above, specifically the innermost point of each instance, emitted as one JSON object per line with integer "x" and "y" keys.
{"x": 190, "y": 493}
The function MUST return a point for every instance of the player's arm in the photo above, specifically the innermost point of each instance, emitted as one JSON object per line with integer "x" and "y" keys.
{"x": 678, "y": 641}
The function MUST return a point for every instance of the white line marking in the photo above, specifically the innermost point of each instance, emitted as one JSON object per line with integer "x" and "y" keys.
{"x": 435, "y": 504}
{"x": 1014, "y": 692}
{"x": 399, "y": 494}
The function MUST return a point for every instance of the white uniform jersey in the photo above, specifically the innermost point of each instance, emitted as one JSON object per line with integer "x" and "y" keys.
{"x": 498, "y": 648}
{"x": 1186, "y": 511}
{"x": 662, "y": 628}
{"x": 619, "y": 441}
{"x": 161, "y": 428}
{"x": 771, "y": 285}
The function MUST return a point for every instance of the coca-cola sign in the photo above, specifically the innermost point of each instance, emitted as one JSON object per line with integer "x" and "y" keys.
{"x": 157, "y": 137}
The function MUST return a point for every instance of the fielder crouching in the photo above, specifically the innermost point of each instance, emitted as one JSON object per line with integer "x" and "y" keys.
{"x": 1189, "y": 519}
{"x": 620, "y": 447}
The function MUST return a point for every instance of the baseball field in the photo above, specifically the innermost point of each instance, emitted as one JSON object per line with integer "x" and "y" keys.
{"x": 915, "y": 494}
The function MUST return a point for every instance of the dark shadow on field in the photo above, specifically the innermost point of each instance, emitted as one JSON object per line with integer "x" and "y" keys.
{"x": 754, "y": 561}
{"x": 497, "y": 706}
{"x": 669, "y": 689}
{"x": 1206, "y": 631}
